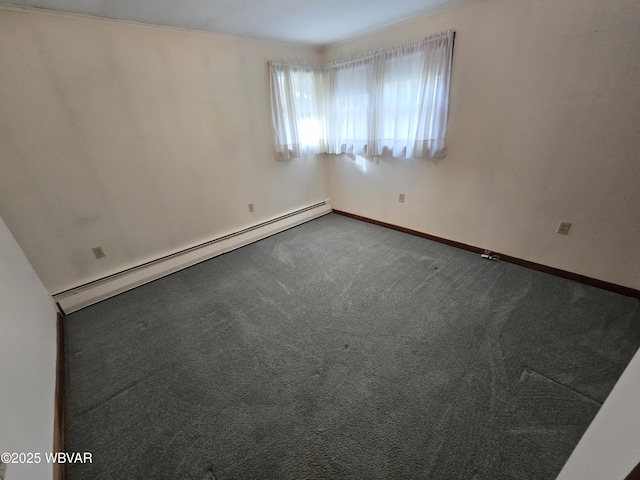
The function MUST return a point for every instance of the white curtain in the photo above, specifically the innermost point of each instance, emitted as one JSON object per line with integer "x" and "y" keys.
{"x": 348, "y": 106}
{"x": 392, "y": 102}
{"x": 413, "y": 105}
{"x": 296, "y": 109}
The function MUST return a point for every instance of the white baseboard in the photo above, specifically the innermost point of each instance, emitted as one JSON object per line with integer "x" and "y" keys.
{"x": 82, "y": 296}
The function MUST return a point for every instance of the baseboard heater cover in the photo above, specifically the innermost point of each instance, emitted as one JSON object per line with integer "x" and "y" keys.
{"x": 75, "y": 298}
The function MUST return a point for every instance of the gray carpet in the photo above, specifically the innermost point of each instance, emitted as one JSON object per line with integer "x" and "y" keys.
{"x": 340, "y": 349}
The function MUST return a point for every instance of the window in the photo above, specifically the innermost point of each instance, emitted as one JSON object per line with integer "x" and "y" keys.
{"x": 296, "y": 99}
{"x": 348, "y": 107}
{"x": 393, "y": 102}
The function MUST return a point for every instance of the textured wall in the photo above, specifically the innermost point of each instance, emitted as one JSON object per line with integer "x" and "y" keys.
{"x": 544, "y": 126}
{"x": 141, "y": 139}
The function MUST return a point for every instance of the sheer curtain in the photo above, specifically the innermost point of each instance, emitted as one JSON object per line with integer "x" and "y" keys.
{"x": 391, "y": 102}
{"x": 413, "y": 102}
{"x": 296, "y": 110}
{"x": 348, "y": 103}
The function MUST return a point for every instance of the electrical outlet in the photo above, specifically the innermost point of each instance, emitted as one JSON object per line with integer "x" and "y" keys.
{"x": 401, "y": 198}
{"x": 251, "y": 207}
{"x": 563, "y": 228}
{"x": 98, "y": 252}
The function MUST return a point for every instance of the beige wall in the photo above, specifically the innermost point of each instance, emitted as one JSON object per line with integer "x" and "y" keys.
{"x": 27, "y": 360}
{"x": 141, "y": 139}
{"x": 544, "y": 126}
{"x": 146, "y": 140}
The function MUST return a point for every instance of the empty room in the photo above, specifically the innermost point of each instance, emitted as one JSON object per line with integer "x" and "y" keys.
{"x": 320, "y": 240}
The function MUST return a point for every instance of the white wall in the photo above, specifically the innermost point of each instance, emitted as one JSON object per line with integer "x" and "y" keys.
{"x": 144, "y": 140}
{"x": 27, "y": 360}
{"x": 544, "y": 126}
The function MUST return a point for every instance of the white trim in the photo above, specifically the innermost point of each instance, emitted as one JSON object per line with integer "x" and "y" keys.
{"x": 609, "y": 448}
{"x": 82, "y": 296}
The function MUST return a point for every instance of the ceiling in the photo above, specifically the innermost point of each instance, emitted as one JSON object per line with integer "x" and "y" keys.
{"x": 314, "y": 22}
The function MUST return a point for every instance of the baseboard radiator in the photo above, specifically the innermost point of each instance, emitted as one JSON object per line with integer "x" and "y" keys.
{"x": 81, "y": 296}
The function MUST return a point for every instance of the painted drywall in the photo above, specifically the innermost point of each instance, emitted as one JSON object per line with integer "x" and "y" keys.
{"x": 610, "y": 446}
{"x": 544, "y": 127}
{"x": 143, "y": 140}
{"x": 27, "y": 361}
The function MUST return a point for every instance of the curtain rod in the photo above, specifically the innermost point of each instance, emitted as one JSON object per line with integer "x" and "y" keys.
{"x": 382, "y": 51}
{"x": 435, "y": 36}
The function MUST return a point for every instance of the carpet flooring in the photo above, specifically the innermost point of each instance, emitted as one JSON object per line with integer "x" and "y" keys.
{"x": 340, "y": 349}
